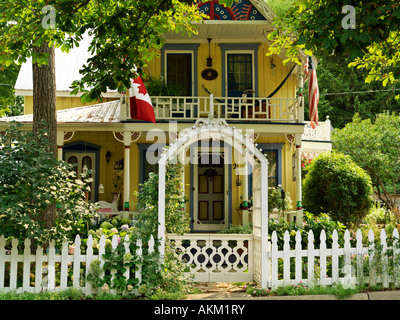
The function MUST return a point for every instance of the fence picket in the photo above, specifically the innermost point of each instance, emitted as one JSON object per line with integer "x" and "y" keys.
{"x": 2, "y": 260}
{"x": 347, "y": 256}
{"x": 310, "y": 259}
{"x": 335, "y": 257}
{"x": 286, "y": 256}
{"x": 51, "y": 267}
{"x": 322, "y": 258}
{"x": 371, "y": 254}
{"x": 114, "y": 244}
{"x": 126, "y": 247}
{"x": 274, "y": 260}
{"x": 27, "y": 265}
{"x": 299, "y": 261}
{"x": 102, "y": 250}
{"x": 89, "y": 259}
{"x": 396, "y": 256}
{"x": 64, "y": 266}
{"x": 39, "y": 269}
{"x": 360, "y": 253}
{"x": 384, "y": 260}
{"x": 14, "y": 264}
{"x": 151, "y": 244}
{"x": 138, "y": 272}
{"x": 77, "y": 262}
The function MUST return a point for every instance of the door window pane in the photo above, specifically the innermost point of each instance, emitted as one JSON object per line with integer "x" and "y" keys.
{"x": 272, "y": 156}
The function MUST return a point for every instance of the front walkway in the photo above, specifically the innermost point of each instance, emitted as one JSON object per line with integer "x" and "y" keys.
{"x": 227, "y": 291}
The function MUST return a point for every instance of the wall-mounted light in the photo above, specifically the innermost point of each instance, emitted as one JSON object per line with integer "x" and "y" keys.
{"x": 101, "y": 188}
{"x": 108, "y": 156}
{"x": 272, "y": 64}
{"x": 209, "y": 59}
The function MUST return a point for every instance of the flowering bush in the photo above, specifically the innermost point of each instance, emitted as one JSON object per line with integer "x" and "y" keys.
{"x": 41, "y": 198}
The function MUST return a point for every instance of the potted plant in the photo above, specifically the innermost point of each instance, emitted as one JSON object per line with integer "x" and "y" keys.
{"x": 158, "y": 87}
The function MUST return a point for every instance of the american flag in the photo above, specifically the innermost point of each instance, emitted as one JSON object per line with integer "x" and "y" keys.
{"x": 313, "y": 91}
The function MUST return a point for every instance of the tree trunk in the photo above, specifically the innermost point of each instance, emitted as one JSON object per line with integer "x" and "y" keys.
{"x": 44, "y": 96}
{"x": 44, "y": 109}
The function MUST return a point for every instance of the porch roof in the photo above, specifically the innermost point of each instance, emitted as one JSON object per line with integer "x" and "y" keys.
{"x": 107, "y": 112}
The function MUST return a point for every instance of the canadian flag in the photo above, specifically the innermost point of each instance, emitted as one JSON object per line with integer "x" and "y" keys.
{"x": 140, "y": 102}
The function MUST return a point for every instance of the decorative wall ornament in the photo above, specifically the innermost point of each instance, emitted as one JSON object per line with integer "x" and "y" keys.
{"x": 68, "y": 135}
{"x": 119, "y": 136}
{"x": 209, "y": 74}
{"x": 240, "y": 10}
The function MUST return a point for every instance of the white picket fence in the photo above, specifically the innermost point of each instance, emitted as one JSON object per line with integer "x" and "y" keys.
{"x": 213, "y": 258}
{"x": 54, "y": 269}
{"x": 348, "y": 265}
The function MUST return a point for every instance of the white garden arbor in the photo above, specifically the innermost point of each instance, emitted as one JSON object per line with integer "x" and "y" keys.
{"x": 219, "y": 130}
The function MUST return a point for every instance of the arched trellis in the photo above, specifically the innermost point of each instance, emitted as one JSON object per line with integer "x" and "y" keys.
{"x": 218, "y": 129}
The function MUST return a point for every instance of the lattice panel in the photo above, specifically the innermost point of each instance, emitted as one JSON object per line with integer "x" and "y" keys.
{"x": 215, "y": 257}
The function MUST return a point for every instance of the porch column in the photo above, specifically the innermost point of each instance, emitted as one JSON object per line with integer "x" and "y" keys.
{"x": 245, "y": 212}
{"x": 60, "y": 144}
{"x": 299, "y": 208}
{"x": 161, "y": 206}
{"x": 264, "y": 225}
{"x": 127, "y": 163}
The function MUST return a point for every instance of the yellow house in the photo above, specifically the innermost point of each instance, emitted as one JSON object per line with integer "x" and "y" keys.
{"x": 226, "y": 63}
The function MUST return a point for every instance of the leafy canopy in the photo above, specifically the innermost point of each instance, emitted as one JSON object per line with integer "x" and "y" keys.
{"x": 372, "y": 43}
{"x": 374, "y": 146}
{"x": 124, "y": 35}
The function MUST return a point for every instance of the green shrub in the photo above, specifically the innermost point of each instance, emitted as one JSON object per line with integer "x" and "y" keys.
{"x": 337, "y": 186}
{"x": 310, "y": 223}
{"x": 41, "y": 198}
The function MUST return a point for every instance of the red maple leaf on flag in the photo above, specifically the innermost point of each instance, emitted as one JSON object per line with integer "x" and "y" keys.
{"x": 140, "y": 103}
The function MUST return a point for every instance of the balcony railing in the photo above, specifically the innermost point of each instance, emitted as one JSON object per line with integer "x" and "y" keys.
{"x": 321, "y": 133}
{"x": 229, "y": 108}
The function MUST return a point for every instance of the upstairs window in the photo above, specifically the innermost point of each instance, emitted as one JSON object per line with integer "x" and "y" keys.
{"x": 240, "y": 75}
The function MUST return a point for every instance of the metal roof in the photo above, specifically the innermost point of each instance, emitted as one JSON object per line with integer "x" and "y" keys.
{"x": 107, "y": 112}
{"x": 67, "y": 70}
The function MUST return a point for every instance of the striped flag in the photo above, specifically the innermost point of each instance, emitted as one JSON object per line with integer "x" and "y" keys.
{"x": 313, "y": 91}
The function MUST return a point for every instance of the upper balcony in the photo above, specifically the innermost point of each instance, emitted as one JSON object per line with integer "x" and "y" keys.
{"x": 232, "y": 109}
